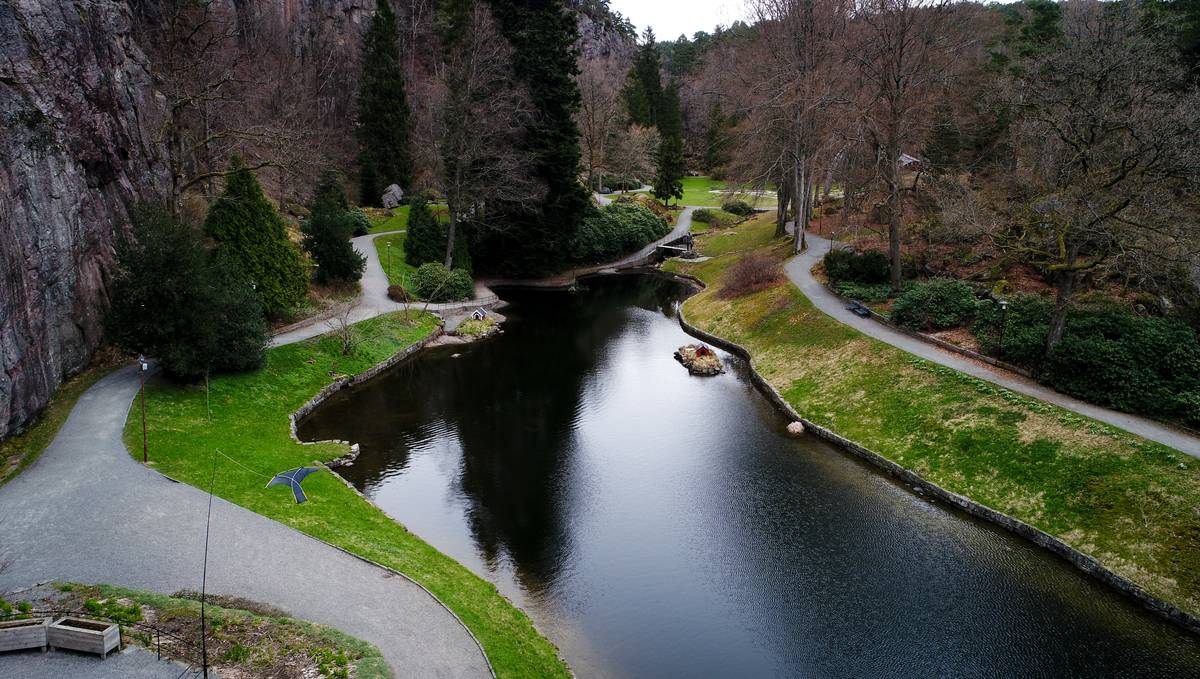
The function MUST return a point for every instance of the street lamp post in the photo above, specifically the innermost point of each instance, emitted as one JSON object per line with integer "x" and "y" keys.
{"x": 389, "y": 263}
{"x": 143, "y": 366}
{"x": 1003, "y": 323}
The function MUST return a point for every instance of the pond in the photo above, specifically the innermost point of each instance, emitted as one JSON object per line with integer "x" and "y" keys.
{"x": 655, "y": 524}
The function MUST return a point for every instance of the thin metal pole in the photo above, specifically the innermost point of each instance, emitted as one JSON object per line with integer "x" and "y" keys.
{"x": 142, "y": 375}
{"x": 204, "y": 574}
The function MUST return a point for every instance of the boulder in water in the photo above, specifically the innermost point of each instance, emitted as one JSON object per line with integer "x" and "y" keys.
{"x": 699, "y": 359}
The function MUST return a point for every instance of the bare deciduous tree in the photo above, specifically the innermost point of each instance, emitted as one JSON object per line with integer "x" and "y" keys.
{"x": 903, "y": 51}
{"x": 484, "y": 114}
{"x": 601, "y": 116}
{"x": 1106, "y": 151}
{"x": 341, "y": 326}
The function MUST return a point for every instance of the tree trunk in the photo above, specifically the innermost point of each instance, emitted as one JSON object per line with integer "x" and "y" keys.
{"x": 1064, "y": 288}
{"x": 781, "y": 211}
{"x": 892, "y": 177}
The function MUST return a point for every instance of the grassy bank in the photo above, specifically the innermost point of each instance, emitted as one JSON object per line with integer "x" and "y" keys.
{"x": 1127, "y": 501}
{"x": 398, "y": 270}
{"x": 698, "y": 192}
{"x": 249, "y": 422}
{"x": 383, "y": 221}
{"x": 18, "y": 452}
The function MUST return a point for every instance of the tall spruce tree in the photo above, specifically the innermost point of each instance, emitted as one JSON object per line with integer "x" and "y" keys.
{"x": 643, "y": 91}
{"x": 249, "y": 231}
{"x": 327, "y": 234}
{"x": 543, "y": 36}
{"x": 668, "y": 182}
{"x": 384, "y": 124}
{"x": 717, "y": 139}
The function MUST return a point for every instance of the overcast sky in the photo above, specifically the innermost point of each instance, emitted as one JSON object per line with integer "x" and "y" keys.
{"x": 670, "y": 18}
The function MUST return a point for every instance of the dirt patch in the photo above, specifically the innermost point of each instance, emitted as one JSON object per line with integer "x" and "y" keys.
{"x": 959, "y": 337}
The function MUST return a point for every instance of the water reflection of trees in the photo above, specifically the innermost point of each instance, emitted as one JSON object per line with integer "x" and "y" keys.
{"x": 512, "y": 403}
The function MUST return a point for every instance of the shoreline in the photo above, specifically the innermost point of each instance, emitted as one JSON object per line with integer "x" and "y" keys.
{"x": 1084, "y": 562}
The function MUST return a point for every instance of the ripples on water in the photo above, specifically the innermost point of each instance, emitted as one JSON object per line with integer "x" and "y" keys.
{"x": 660, "y": 525}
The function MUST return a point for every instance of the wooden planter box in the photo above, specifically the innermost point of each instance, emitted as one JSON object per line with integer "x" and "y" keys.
{"x": 89, "y": 636}
{"x": 18, "y": 635}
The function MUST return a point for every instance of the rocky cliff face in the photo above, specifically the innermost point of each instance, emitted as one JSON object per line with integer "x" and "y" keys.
{"x": 81, "y": 145}
{"x": 78, "y": 149}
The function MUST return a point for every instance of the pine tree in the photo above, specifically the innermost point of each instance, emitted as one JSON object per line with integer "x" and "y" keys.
{"x": 643, "y": 89}
{"x": 249, "y": 231}
{"x": 543, "y": 36}
{"x": 424, "y": 241}
{"x": 209, "y": 318}
{"x": 327, "y": 235}
{"x": 668, "y": 182}
{"x": 384, "y": 125}
{"x": 716, "y": 139}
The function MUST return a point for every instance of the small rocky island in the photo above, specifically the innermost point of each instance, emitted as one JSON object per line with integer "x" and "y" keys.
{"x": 699, "y": 359}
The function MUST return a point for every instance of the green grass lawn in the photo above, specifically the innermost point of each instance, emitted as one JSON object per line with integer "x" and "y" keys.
{"x": 1129, "y": 502}
{"x": 697, "y": 191}
{"x": 18, "y": 452}
{"x": 249, "y": 422}
{"x": 399, "y": 271}
{"x": 382, "y": 222}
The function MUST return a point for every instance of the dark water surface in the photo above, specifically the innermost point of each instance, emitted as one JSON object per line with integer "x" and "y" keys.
{"x": 655, "y": 524}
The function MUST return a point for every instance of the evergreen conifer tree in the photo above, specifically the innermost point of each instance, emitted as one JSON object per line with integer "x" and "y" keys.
{"x": 425, "y": 241}
{"x": 194, "y": 313}
{"x": 327, "y": 235}
{"x": 716, "y": 139}
{"x": 249, "y": 231}
{"x": 668, "y": 182}
{"x": 384, "y": 124}
{"x": 643, "y": 89}
{"x": 536, "y": 240}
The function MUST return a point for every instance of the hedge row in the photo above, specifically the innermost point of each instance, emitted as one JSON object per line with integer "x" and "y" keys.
{"x": 611, "y": 231}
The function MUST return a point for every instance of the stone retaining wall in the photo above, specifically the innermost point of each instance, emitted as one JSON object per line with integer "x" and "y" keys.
{"x": 1084, "y": 562}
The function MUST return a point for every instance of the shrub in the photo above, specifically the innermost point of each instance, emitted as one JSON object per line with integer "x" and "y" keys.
{"x": 867, "y": 267}
{"x": 397, "y": 293}
{"x": 1111, "y": 357}
{"x": 751, "y": 274}
{"x": 716, "y": 218}
{"x": 623, "y": 183}
{"x": 871, "y": 293}
{"x": 607, "y": 233}
{"x": 249, "y": 230}
{"x": 433, "y": 282}
{"x": 738, "y": 207}
{"x": 427, "y": 236}
{"x": 212, "y": 319}
{"x": 1026, "y": 326}
{"x": 935, "y": 305}
{"x": 327, "y": 241}
{"x": 361, "y": 222}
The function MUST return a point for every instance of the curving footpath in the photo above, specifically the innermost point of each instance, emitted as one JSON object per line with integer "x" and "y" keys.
{"x": 87, "y": 512}
{"x": 799, "y": 270}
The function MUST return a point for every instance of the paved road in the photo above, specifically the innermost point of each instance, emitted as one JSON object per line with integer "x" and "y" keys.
{"x": 374, "y": 301}
{"x": 799, "y": 270}
{"x": 87, "y": 512}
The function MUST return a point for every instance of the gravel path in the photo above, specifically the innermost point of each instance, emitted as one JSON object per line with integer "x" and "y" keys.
{"x": 799, "y": 270}
{"x": 87, "y": 512}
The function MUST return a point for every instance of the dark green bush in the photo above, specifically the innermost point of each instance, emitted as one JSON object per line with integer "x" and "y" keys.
{"x": 935, "y": 305}
{"x": 174, "y": 302}
{"x": 327, "y": 241}
{"x": 362, "y": 223}
{"x": 622, "y": 183}
{"x": 866, "y": 267}
{"x": 1111, "y": 357}
{"x": 611, "y": 231}
{"x": 433, "y": 282}
{"x": 1025, "y": 330}
{"x": 738, "y": 207}
{"x": 427, "y": 236}
{"x": 871, "y": 293}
